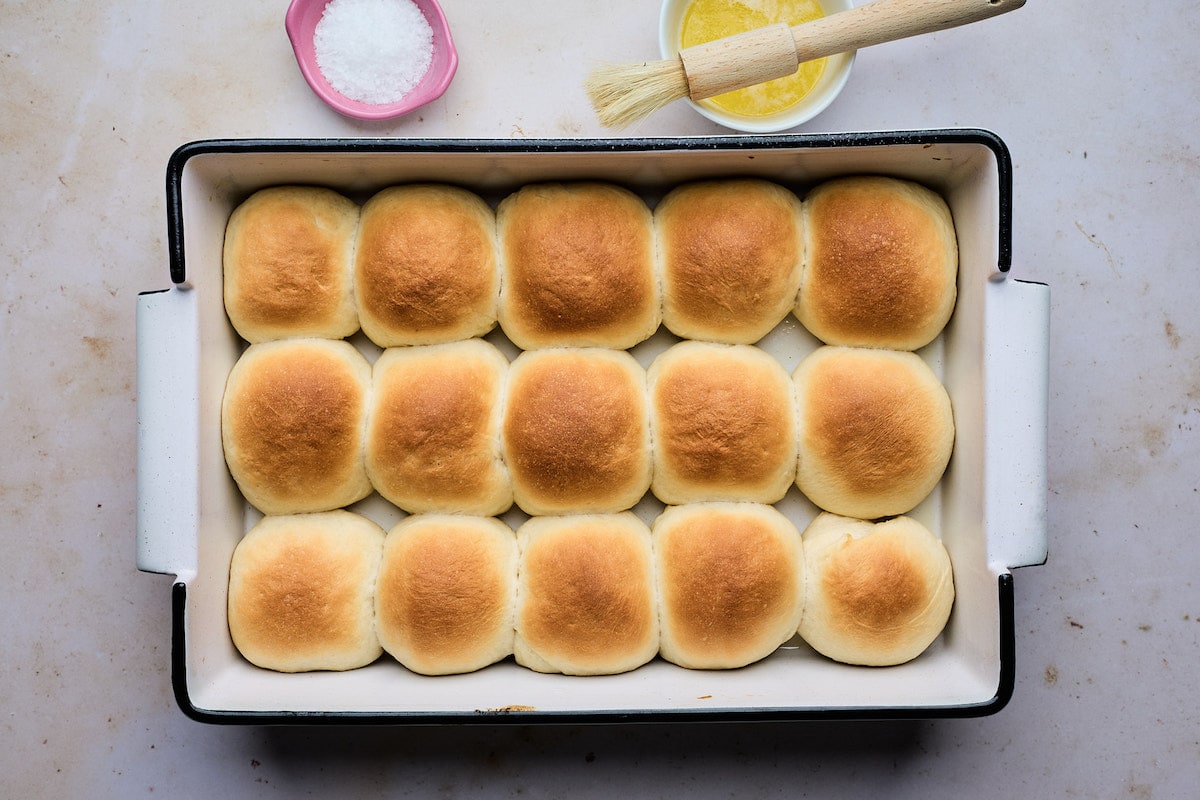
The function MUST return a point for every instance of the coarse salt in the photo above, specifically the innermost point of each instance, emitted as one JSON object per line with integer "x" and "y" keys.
{"x": 373, "y": 51}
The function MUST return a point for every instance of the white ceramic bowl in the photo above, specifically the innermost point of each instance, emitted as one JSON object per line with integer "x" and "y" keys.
{"x": 837, "y": 71}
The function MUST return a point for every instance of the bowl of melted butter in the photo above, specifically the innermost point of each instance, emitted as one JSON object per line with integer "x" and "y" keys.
{"x": 769, "y": 107}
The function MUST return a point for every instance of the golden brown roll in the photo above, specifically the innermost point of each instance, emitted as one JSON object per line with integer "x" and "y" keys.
{"x": 425, "y": 265}
{"x": 288, "y": 264}
{"x": 881, "y": 263}
{"x": 585, "y": 596}
{"x": 576, "y": 432}
{"x": 876, "y": 430}
{"x": 731, "y": 252}
{"x": 730, "y": 583}
{"x": 446, "y": 594}
{"x": 878, "y": 593}
{"x": 723, "y": 424}
{"x": 293, "y": 420}
{"x": 300, "y": 592}
{"x": 433, "y": 432}
{"x": 578, "y": 263}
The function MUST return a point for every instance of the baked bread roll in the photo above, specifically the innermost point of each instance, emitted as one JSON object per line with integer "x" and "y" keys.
{"x": 876, "y": 430}
{"x": 300, "y": 592}
{"x": 292, "y": 425}
{"x": 881, "y": 263}
{"x": 730, "y": 583}
{"x": 723, "y": 424}
{"x": 446, "y": 594}
{"x": 433, "y": 432}
{"x": 731, "y": 252}
{"x": 288, "y": 264}
{"x": 576, "y": 431}
{"x": 425, "y": 265}
{"x": 578, "y": 262}
{"x": 878, "y": 593}
{"x": 585, "y": 596}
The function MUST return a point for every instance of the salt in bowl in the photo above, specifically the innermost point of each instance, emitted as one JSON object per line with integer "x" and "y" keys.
{"x": 301, "y": 23}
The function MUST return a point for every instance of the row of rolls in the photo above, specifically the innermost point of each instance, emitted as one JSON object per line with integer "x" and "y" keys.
{"x": 715, "y": 585}
{"x": 860, "y": 261}
{"x": 311, "y": 425}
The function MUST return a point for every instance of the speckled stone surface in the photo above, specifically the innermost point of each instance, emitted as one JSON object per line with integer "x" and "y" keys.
{"x": 1099, "y": 107}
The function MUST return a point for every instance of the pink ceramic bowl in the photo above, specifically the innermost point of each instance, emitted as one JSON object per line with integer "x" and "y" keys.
{"x": 301, "y": 22}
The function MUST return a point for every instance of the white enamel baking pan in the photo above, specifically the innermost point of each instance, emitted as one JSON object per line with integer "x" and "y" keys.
{"x": 990, "y": 509}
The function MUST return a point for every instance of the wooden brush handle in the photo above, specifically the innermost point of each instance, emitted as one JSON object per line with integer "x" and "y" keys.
{"x": 773, "y": 52}
{"x": 887, "y": 21}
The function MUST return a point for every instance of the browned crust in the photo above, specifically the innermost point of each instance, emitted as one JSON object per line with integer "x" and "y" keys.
{"x": 881, "y": 263}
{"x": 425, "y": 266}
{"x": 723, "y": 424}
{"x": 287, "y": 267}
{"x": 433, "y": 435}
{"x": 587, "y": 597}
{"x": 300, "y": 589}
{"x": 730, "y": 583}
{"x": 293, "y": 422}
{"x": 879, "y": 593}
{"x": 578, "y": 262}
{"x": 731, "y": 253}
{"x": 876, "y": 431}
{"x": 576, "y": 431}
{"x": 446, "y": 592}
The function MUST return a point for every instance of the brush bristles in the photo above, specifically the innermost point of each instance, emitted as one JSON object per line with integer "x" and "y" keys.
{"x": 625, "y": 93}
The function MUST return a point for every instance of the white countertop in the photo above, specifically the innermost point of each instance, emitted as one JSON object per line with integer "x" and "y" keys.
{"x": 1099, "y": 107}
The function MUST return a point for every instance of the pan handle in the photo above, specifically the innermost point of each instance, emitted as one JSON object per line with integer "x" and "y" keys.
{"x": 1016, "y": 394}
{"x": 167, "y": 443}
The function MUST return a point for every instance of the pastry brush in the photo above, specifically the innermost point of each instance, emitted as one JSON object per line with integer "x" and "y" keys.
{"x": 624, "y": 93}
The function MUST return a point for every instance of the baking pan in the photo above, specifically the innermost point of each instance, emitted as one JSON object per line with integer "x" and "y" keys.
{"x": 989, "y": 509}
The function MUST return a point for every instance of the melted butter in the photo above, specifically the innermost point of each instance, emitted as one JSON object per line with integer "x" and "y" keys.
{"x": 706, "y": 20}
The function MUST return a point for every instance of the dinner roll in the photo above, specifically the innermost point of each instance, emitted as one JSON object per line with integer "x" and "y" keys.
{"x": 722, "y": 420}
{"x": 877, "y": 594}
{"x": 876, "y": 430}
{"x": 578, "y": 264}
{"x": 292, "y": 425}
{"x": 585, "y": 596}
{"x": 576, "y": 431}
{"x": 446, "y": 593}
{"x": 433, "y": 432}
{"x": 300, "y": 592}
{"x": 288, "y": 259}
{"x": 425, "y": 265}
{"x": 730, "y": 583}
{"x": 881, "y": 263}
{"x": 730, "y": 253}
